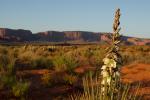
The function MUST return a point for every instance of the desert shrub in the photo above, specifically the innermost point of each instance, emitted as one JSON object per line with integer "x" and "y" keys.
{"x": 6, "y": 80}
{"x": 41, "y": 62}
{"x": 141, "y": 48}
{"x": 7, "y": 71}
{"x": 59, "y": 63}
{"x": 65, "y": 63}
{"x": 71, "y": 63}
{"x": 20, "y": 88}
{"x": 42, "y": 51}
{"x": 88, "y": 53}
{"x": 136, "y": 57}
{"x": 3, "y": 50}
{"x": 70, "y": 79}
{"x": 47, "y": 79}
{"x": 24, "y": 59}
{"x": 4, "y": 60}
{"x": 96, "y": 59}
{"x": 51, "y": 49}
{"x": 58, "y": 78}
{"x": 15, "y": 52}
{"x": 128, "y": 58}
{"x": 144, "y": 59}
{"x": 26, "y": 56}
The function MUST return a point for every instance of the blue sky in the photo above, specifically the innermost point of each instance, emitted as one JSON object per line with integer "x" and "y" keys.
{"x": 76, "y": 15}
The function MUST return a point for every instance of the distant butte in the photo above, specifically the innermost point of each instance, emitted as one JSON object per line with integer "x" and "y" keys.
{"x": 21, "y": 35}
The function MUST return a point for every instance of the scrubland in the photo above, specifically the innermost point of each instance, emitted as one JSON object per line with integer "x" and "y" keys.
{"x": 33, "y": 72}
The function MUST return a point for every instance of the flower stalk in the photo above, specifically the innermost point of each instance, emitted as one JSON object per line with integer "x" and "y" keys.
{"x": 112, "y": 61}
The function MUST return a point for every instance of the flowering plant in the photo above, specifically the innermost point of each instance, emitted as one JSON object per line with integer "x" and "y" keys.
{"x": 110, "y": 69}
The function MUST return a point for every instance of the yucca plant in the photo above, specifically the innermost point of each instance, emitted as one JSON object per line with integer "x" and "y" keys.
{"x": 107, "y": 85}
{"x": 93, "y": 91}
{"x": 112, "y": 61}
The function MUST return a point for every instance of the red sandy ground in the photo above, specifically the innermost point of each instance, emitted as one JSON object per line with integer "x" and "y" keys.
{"x": 132, "y": 73}
{"x": 135, "y": 73}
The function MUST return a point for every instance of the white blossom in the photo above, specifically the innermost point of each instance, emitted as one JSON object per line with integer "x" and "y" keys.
{"x": 103, "y": 82}
{"x": 104, "y": 67}
{"x": 112, "y": 63}
{"x": 109, "y": 62}
{"x": 106, "y": 60}
{"x": 105, "y": 73}
{"x": 108, "y": 80}
{"x": 103, "y": 89}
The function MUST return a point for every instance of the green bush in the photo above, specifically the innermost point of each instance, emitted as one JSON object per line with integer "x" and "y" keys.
{"x": 20, "y": 89}
{"x": 65, "y": 63}
{"x": 96, "y": 59}
{"x": 8, "y": 78}
{"x": 88, "y": 53}
{"x": 41, "y": 62}
{"x": 59, "y": 63}
{"x": 4, "y": 61}
{"x": 6, "y": 81}
{"x": 7, "y": 71}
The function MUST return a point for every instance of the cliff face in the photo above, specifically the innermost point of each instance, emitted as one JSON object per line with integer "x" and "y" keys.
{"x": 15, "y": 35}
{"x": 83, "y": 36}
{"x": 51, "y": 36}
{"x": 54, "y": 36}
{"x": 20, "y": 35}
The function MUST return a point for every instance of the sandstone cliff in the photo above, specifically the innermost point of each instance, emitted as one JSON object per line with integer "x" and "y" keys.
{"x": 20, "y": 35}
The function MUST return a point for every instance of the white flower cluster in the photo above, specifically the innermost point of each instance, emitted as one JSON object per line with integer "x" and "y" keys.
{"x": 108, "y": 71}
